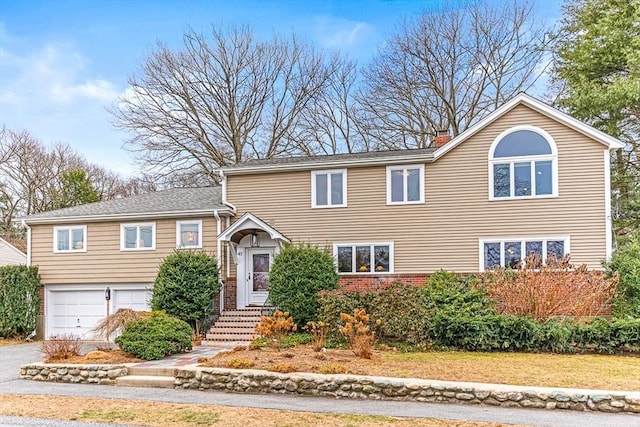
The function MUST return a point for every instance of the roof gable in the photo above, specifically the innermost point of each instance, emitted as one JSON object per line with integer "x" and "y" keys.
{"x": 523, "y": 99}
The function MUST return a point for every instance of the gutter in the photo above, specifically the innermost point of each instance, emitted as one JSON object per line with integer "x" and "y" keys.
{"x": 120, "y": 217}
{"x": 391, "y": 160}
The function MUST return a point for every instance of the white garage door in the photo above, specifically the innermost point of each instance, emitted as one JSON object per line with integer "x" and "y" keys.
{"x": 75, "y": 312}
{"x": 137, "y": 299}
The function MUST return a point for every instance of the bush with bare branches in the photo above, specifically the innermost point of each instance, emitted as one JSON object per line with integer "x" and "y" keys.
{"x": 114, "y": 323}
{"x": 556, "y": 288}
{"x": 60, "y": 347}
{"x": 276, "y": 327}
{"x": 358, "y": 332}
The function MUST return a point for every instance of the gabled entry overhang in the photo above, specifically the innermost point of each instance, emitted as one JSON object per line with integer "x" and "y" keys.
{"x": 246, "y": 225}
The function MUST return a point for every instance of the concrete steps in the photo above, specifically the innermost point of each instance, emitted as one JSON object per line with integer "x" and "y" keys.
{"x": 147, "y": 377}
{"x": 234, "y": 325}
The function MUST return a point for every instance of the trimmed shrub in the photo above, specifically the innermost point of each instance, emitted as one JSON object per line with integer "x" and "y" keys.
{"x": 298, "y": 273}
{"x": 548, "y": 290}
{"x": 446, "y": 291}
{"x": 626, "y": 263}
{"x": 186, "y": 283}
{"x": 19, "y": 300}
{"x": 608, "y": 336}
{"x": 155, "y": 337}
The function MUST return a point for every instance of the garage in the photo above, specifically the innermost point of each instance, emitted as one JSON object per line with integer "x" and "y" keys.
{"x": 74, "y": 311}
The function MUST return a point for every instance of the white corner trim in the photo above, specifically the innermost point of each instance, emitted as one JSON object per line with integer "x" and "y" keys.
{"x": 608, "y": 217}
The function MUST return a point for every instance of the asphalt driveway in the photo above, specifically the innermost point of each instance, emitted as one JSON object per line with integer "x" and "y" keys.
{"x": 11, "y": 357}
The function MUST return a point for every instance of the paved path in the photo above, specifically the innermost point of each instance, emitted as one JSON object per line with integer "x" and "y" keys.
{"x": 13, "y": 356}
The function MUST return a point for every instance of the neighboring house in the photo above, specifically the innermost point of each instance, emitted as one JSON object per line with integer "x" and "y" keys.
{"x": 526, "y": 179}
{"x": 10, "y": 255}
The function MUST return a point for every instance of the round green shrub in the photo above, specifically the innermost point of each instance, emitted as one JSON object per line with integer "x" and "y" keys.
{"x": 155, "y": 337}
{"x": 626, "y": 262}
{"x": 298, "y": 273}
{"x": 186, "y": 283}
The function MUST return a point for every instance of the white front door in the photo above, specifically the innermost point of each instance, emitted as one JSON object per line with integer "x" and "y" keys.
{"x": 257, "y": 277}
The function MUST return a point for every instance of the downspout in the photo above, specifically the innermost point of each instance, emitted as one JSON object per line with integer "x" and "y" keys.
{"x": 223, "y": 183}
{"x": 24, "y": 224}
{"x": 218, "y": 252}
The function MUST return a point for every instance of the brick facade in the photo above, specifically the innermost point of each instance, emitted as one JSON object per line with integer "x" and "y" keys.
{"x": 361, "y": 281}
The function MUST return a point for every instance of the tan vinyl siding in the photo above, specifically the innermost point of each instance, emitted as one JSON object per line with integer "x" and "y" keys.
{"x": 444, "y": 232}
{"x": 103, "y": 262}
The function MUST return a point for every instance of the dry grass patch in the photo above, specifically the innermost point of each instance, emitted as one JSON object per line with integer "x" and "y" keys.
{"x": 10, "y": 341}
{"x": 109, "y": 357}
{"x": 160, "y": 414}
{"x": 551, "y": 370}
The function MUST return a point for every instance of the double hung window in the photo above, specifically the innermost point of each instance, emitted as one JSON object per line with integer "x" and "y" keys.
{"x": 329, "y": 189}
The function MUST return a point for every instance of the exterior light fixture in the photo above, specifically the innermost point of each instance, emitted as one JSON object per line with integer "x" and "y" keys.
{"x": 255, "y": 240}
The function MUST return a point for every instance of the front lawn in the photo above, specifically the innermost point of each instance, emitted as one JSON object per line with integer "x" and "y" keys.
{"x": 552, "y": 370}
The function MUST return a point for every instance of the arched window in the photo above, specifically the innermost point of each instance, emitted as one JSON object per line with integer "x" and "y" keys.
{"x": 523, "y": 163}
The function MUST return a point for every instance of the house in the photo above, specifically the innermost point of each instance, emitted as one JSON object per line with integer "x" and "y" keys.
{"x": 525, "y": 179}
{"x": 10, "y": 255}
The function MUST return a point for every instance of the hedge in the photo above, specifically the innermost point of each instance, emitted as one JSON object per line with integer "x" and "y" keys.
{"x": 19, "y": 300}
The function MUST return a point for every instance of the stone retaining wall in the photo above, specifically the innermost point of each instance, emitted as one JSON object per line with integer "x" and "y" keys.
{"x": 354, "y": 387}
{"x": 382, "y": 388}
{"x": 78, "y": 374}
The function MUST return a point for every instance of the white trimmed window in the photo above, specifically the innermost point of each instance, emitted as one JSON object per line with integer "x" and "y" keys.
{"x": 523, "y": 163}
{"x": 189, "y": 234}
{"x": 329, "y": 188}
{"x": 511, "y": 252}
{"x": 364, "y": 257}
{"x": 70, "y": 239}
{"x": 138, "y": 236}
{"x": 405, "y": 184}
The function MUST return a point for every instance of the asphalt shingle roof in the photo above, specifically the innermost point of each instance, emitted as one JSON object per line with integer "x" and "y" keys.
{"x": 171, "y": 200}
{"x": 370, "y": 155}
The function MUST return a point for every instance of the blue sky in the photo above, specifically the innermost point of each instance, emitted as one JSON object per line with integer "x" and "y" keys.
{"x": 62, "y": 62}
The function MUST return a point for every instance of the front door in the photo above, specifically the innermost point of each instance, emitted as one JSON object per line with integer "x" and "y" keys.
{"x": 258, "y": 266}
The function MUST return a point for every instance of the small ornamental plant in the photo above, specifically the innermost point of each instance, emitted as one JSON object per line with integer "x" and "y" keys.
{"x": 357, "y": 331}
{"x": 318, "y": 332}
{"x": 276, "y": 327}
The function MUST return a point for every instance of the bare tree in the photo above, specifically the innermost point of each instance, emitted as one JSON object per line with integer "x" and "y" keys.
{"x": 218, "y": 101}
{"x": 449, "y": 68}
{"x": 332, "y": 122}
{"x": 33, "y": 177}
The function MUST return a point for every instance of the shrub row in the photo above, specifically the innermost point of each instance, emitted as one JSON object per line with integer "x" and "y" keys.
{"x": 19, "y": 300}
{"x": 519, "y": 333}
{"x": 454, "y": 313}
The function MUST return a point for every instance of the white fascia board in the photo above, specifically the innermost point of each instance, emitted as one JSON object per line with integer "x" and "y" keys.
{"x": 125, "y": 217}
{"x": 332, "y": 164}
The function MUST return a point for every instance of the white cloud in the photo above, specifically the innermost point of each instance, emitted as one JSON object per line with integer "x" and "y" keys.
{"x": 49, "y": 89}
{"x": 345, "y": 35}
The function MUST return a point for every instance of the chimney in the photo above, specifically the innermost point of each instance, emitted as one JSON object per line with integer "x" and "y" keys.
{"x": 442, "y": 137}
